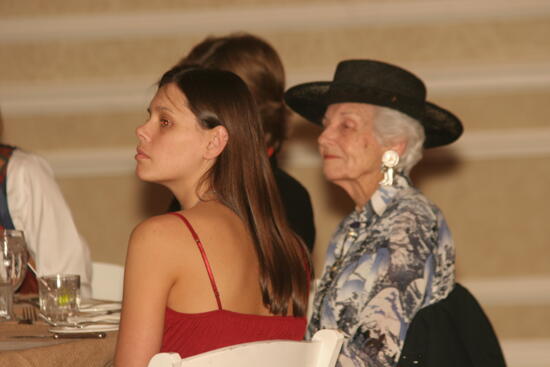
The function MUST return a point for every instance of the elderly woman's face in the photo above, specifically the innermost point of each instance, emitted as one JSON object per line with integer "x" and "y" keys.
{"x": 348, "y": 145}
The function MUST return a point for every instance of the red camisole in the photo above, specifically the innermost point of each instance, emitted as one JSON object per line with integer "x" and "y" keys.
{"x": 190, "y": 334}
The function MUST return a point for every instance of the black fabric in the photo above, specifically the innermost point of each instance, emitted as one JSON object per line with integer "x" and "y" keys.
{"x": 296, "y": 203}
{"x": 5, "y": 218}
{"x": 454, "y": 332}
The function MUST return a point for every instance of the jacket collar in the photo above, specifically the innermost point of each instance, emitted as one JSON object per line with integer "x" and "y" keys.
{"x": 383, "y": 197}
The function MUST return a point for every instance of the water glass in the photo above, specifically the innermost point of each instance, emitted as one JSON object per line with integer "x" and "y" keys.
{"x": 13, "y": 266}
{"x": 59, "y": 296}
{"x": 6, "y": 301}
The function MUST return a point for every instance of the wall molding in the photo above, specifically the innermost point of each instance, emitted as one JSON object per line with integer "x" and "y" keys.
{"x": 526, "y": 352}
{"x": 42, "y": 99}
{"x": 89, "y": 163}
{"x": 263, "y": 18}
{"x": 133, "y": 94}
{"x": 494, "y": 78}
{"x": 497, "y": 144}
{"x": 527, "y": 290}
{"x": 482, "y": 145}
{"x": 472, "y": 146}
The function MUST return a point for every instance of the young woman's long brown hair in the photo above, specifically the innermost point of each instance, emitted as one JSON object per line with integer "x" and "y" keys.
{"x": 242, "y": 180}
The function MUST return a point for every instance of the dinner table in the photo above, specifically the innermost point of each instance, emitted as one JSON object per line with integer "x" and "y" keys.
{"x": 31, "y": 343}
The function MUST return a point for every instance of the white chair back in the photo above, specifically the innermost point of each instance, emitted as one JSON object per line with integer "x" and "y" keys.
{"x": 107, "y": 281}
{"x": 321, "y": 351}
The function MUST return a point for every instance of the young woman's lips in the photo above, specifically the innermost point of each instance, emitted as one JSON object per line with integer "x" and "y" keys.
{"x": 329, "y": 156}
{"x": 141, "y": 155}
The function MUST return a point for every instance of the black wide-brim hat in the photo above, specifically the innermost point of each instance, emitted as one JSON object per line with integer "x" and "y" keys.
{"x": 381, "y": 84}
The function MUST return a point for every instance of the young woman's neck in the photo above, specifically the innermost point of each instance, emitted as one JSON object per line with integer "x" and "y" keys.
{"x": 193, "y": 196}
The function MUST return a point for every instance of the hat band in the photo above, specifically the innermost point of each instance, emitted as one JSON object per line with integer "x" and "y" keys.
{"x": 347, "y": 92}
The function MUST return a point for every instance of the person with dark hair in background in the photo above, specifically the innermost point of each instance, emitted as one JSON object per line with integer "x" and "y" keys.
{"x": 31, "y": 201}
{"x": 259, "y": 65}
{"x": 227, "y": 269}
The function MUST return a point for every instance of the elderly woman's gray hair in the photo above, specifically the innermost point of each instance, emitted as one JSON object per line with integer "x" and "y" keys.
{"x": 392, "y": 126}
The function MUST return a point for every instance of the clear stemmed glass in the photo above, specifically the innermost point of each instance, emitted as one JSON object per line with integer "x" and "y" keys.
{"x": 13, "y": 267}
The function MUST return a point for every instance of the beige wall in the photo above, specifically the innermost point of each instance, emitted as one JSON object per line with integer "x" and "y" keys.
{"x": 76, "y": 78}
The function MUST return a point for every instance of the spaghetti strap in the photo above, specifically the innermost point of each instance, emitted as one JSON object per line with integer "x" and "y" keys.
{"x": 204, "y": 258}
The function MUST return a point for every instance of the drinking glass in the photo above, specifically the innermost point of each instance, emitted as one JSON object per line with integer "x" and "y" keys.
{"x": 59, "y": 296}
{"x": 13, "y": 267}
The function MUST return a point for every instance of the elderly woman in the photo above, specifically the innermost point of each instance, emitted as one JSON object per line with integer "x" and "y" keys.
{"x": 394, "y": 254}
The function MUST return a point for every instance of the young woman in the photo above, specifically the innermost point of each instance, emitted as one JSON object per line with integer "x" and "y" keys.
{"x": 226, "y": 269}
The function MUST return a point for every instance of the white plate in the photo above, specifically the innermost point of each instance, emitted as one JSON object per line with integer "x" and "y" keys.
{"x": 98, "y": 306}
{"x": 102, "y": 318}
{"x": 85, "y": 329}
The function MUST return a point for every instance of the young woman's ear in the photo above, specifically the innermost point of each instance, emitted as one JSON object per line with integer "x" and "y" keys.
{"x": 217, "y": 143}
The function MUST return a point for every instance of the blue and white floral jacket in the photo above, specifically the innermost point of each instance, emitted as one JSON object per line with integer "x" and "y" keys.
{"x": 385, "y": 261}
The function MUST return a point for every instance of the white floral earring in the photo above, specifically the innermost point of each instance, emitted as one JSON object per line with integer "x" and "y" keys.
{"x": 390, "y": 159}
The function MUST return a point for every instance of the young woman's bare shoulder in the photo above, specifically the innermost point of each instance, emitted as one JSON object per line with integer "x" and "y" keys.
{"x": 219, "y": 229}
{"x": 166, "y": 232}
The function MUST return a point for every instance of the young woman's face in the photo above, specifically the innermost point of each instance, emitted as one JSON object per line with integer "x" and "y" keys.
{"x": 171, "y": 142}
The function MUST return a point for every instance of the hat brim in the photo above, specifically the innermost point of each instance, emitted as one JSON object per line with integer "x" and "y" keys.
{"x": 310, "y": 100}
